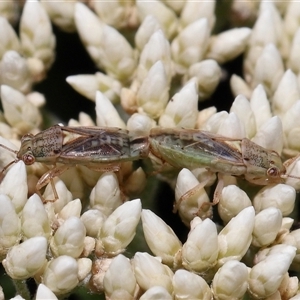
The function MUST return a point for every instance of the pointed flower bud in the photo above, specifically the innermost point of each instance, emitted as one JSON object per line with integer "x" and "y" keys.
{"x": 106, "y": 195}
{"x": 149, "y": 272}
{"x": 196, "y": 203}
{"x": 228, "y": 44}
{"x": 26, "y": 259}
{"x": 60, "y": 275}
{"x": 93, "y": 220}
{"x": 119, "y": 228}
{"x": 182, "y": 110}
{"x": 107, "y": 114}
{"x": 44, "y": 292}
{"x": 155, "y": 293}
{"x": 160, "y": 238}
{"x": 281, "y": 196}
{"x": 165, "y": 16}
{"x": 145, "y": 30}
{"x": 88, "y": 85}
{"x": 241, "y": 107}
{"x": 235, "y": 238}
{"x": 69, "y": 238}
{"x": 266, "y": 227}
{"x": 232, "y": 202}
{"x": 190, "y": 45}
{"x": 18, "y": 111}
{"x": 266, "y": 277}
{"x": 10, "y": 225}
{"x": 35, "y": 220}
{"x": 232, "y": 126}
{"x": 37, "y": 38}
{"x": 119, "y": 280}
{"x": 153, "y": 94}
{"x": 200, "y": 251}
{"x": 16, "y": 177}
{"x": 188, "y": 285}
{"x": 230, "y": 282}
{"x": 239, "y": 86}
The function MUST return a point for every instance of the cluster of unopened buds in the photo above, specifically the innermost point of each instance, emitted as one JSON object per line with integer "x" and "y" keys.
{"x": 81, "y": 238}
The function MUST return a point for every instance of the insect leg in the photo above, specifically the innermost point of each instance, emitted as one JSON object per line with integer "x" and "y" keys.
{"x": 190, "y": 193}
{"x": 48, "y": 177}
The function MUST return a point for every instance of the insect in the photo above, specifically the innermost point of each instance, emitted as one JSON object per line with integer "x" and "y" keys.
{"x": 191, "y": 148}
{"x": 98, "y": 148}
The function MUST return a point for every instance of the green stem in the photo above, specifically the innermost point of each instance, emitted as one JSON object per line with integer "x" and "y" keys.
{"x": 21, "y": 288}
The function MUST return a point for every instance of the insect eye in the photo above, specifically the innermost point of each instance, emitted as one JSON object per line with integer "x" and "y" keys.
{"x": 272, "y": 172}
{"x": 28, "y": 159}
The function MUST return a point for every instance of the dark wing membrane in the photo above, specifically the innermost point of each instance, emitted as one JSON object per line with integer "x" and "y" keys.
{"x": 103, "y": 147}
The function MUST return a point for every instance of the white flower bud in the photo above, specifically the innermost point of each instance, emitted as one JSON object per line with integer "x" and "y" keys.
{"x": 145, "y": 30}
{"x": 266, "y": 277}
{"x": 293, "y": 170}
{"x": 64, "y": 195}
{"x": 60, "y": 275}
{"x": 266, "y": 226}
{"x": 149, "y": 272}
{"x": 115, "y": 13}
{"x": 281, "y": 196}
{"x": 291, "y": 127}
{"x": 88, "y": 85}
{"x": 44, "y": 292}
{"x": 16, "y": 177}
{"x": 93, "y": 220}
{"x": 291, "y": 19}
{"x": 100, "y": 44}
{"x": 232, "y": 127}
{"x": 26, "y": 259}
{"x": 228, "y": 44}
{"x": 200, "y": 251}
{"x": 160, "y": 238}
{"x": 293, "y": 61}
{"x": 106, "y": 195}
{"x": 84, "y": 268}
{"x": 69, "y": 238}
{"x": 182, "y": 109}
{"x": 37, "y": 38}
{"x": 140, "y": 124}
{"x": 204, "y": 115}
{"x": 215, "y": 121}
{"x": 208, "y": 74}
{"x": 260, "y": 106}
{"x": 270, "y": 135}
{"x": 107, "y": 114}
{"x": 8, "y": 38}
{"x": 195, "y": 10}
{"x": 241, "y": 226}
{"x": 165, "y": 16}
{"x": 119, "y": 228}
{"x": 35, "y": 220}
{"x": 157, "y": 48}
{"x": 71, "y": 209}
{"x": 286, "y": 94}
{"x": 10, "y": 225}
{"x": 136, "y": 182}
{"x": 188, "y": 285}
{"x": 230, "y": 282}
{"x": 61, "y": 14}
{"x": 190, "y": 45}
{"x": 239, "y": 86}
{"x": 153, "y": 94}
{"x": 119, "y": 280}
{"x": 232, "y": 202}
{"x": 156, "y": 293}
{"x": 18, "y": 111}
{"x": 293, "y": 239}
{"x": 268, "y": 69}
{"x": 241, "y": 107}
{"x": 196, "y": 203}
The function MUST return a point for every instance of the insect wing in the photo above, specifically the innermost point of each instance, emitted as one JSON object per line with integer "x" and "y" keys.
{"x": 193, "y": 148}
{"x": 97, "y": 145}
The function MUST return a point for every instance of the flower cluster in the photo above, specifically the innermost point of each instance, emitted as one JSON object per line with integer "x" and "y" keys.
{"x": 172, "y": 53}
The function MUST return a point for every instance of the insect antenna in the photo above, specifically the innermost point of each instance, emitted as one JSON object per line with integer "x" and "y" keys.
{"x": 12, "y": 162}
